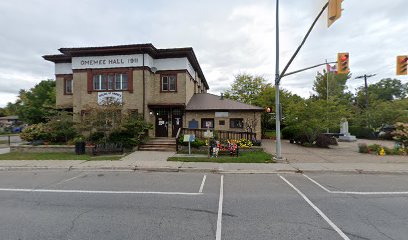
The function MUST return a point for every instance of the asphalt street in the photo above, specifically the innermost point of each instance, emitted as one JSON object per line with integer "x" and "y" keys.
{"x": 146, "y": 205}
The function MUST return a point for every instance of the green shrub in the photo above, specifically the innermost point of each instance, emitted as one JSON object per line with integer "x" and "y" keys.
{"x": 181, "y": 141}
{"x": 363, "y": 148}
{"x": 198, "y": 143}
{"x": 389, "y": 151}
{"x": 289, "y": 132}
{"x": 401, "y": 134}
{"x": 132, "y": 133}
{"x": 256, "y": 143}
{"x": 323, "y": 141}
{"x": 375, "y": 148}
{"x": 96, "y": 137}
{"x": 61, "y": 127}
{"x": 58, "y": 129}
{"x": 35, "y": 132}
{"x": 362, "y": 132}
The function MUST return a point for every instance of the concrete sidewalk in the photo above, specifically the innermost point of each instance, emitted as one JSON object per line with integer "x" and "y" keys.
{"x": 341, "y": 158}
{"x": 157, "y": 161}
{"x": 345, "y": 153}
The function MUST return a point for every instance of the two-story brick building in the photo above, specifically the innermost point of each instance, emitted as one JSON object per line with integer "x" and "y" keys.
{"x": 157, "y": 83}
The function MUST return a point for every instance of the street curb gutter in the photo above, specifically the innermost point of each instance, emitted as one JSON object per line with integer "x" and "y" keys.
{"x": 198, "y": 170}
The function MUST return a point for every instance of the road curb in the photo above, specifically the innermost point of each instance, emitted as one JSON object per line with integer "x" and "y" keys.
{"x": 199, "y": 170}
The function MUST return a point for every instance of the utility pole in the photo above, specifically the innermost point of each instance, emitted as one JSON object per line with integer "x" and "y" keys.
{"x": 365, "y": 76}
{"x": 327, "y": 95}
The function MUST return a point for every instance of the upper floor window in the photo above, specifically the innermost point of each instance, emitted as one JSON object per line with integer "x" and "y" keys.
{"x": 68, "y": 86}
{"x": 108, "y": 81}
{"x": 169, "y": 83}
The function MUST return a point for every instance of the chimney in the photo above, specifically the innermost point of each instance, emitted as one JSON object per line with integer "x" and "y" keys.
{"x": 222, "y": 96}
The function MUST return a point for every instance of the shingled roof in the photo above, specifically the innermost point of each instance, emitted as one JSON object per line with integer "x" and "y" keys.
{"x": 211, "y": 102}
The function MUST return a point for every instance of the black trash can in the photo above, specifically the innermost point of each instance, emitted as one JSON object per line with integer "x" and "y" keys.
{"x": 80, "y": 148}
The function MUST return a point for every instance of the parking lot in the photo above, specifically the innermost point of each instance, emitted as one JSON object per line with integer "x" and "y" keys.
{"x": 147, "y": 205}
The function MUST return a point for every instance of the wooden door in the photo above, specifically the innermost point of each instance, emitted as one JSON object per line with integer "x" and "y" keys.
{"x": 162, "y": 126}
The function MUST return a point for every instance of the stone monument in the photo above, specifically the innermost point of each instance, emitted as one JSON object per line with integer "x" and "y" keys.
{"x": 344, "y": 129}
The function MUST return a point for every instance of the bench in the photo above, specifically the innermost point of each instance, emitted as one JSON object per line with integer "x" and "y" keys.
{"x": 104, "y": 148}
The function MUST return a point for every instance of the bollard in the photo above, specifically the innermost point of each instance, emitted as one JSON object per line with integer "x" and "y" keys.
{"x": 9, "y": 141}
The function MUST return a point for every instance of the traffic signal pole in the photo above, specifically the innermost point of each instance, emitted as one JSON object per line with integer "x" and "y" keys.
{"x": 278, "y": 155}
{"x": 279, "y": 76}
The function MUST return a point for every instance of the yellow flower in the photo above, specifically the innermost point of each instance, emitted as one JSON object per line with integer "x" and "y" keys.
{"x": 382, "y": 152}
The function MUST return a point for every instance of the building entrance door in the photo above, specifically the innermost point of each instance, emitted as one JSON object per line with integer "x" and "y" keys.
{"x": 162, "y": 126}
{"x": 177, "y": 123}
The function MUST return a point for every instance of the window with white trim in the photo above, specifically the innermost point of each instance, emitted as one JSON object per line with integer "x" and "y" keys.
{"x": 68, "y": 82}
{"x": 117, "y": 81}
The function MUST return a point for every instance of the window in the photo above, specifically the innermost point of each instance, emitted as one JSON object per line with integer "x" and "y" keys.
{"x": 121, "y": 81}
{"x": 207, "y": 123}
{"x": 118, "y": 81}
{"x": 68, "y": 86}
{"x": 221, "y": 122}
{"x": 236, "y": 123}
{"x": 111, "y": 80}
{"x": 169, "y": 83}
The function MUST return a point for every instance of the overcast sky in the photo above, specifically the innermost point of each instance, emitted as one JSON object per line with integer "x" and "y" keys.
{"x": 228, "y": 36}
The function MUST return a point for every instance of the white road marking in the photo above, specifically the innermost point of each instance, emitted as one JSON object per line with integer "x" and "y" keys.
{"x": 337, "y": 229}
{"x": 66, "y": 180}
{"x": 318, "y": 184}
{"x": 202, "y": 184}
{"x": 219, "y": 218}
{"x": 355, "y": 193}
{"x": 94, "y": 192}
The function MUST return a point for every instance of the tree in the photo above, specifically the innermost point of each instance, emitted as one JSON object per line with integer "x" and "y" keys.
{"x": 246, "y": 88}
{"x": 11, "y": 108}
{"x": 337, "y": 85}
{"x": 266, "y": 98}
{"x": 62, "y": 127}
{"x": 380, "y": 113}
{"x": 107, "y": 123}
{"x": 309, "y": 117}
{"x": 385, "y": 90}
{"x": 35, "y": 105}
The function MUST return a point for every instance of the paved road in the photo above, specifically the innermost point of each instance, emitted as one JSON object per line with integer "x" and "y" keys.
{"x": 137, "y": 205}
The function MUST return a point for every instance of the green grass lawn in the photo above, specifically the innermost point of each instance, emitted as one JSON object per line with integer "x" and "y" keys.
{"x": 11, "y": 134}
{"x": 55, "y": 156}
{"x": 270, "y": 133}
{"x": 244, "y": 157}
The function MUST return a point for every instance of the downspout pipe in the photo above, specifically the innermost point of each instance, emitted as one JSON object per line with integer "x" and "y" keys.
{"x": 144, "y": 87}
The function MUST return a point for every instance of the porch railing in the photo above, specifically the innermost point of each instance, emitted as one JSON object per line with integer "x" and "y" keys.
{"x": 221, "y": 134}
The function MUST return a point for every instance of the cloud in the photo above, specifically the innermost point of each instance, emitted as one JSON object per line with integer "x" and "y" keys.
{"x": 228, "y": 37}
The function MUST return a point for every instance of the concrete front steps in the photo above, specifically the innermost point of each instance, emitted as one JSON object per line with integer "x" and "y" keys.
{"x": 159, "y": 144}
